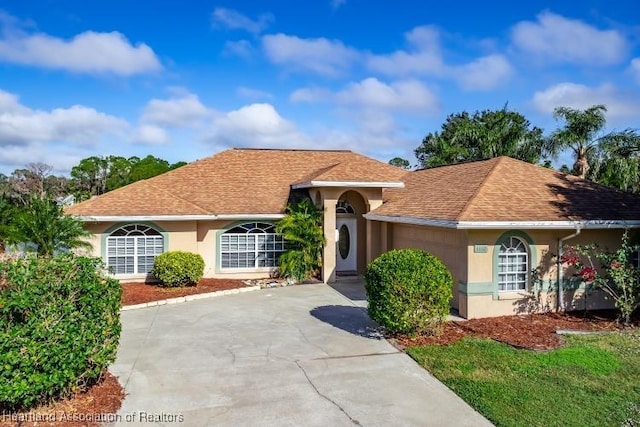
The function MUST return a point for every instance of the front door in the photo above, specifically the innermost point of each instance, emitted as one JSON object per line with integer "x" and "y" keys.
{"x": 346, "y": 244}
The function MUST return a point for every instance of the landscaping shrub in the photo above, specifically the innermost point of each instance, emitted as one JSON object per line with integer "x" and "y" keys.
{"x": 302, "y": 230}
{"x": 59, "y": 327}
{"x": 409, "y": 291}
{"x": 178, "y": 268}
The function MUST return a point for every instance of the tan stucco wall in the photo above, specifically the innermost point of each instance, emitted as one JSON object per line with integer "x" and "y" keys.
{"x": 192, "y": 236}
{"x": 481, "y": 298}
{"x": 448, "y": 245}
{"x": 363, "y": 200}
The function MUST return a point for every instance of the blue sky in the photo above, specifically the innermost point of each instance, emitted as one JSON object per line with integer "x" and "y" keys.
{"x": 183, "y": 81}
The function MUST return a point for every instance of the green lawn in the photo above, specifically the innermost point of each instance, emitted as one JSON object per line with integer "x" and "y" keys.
{"x": 593, "y": 381}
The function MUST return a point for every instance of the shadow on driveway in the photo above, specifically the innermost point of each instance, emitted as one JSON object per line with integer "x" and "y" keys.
{"x": 348, "y": 318}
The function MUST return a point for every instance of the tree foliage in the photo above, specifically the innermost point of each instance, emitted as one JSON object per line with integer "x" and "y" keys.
{"x": 304, "y": 236}
{"x": 41, "y": 225}
{"x": 96, "y": 175}
{"x": 583, "y": 134}
{"x": 400, "y": 163}
{"x": 479, "y": 136}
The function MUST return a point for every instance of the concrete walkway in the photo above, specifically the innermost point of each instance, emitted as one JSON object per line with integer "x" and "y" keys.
{"x": 301, "y": 355}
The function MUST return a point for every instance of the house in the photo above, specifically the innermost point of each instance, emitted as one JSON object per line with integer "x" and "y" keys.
{"x": 491, "y": 222}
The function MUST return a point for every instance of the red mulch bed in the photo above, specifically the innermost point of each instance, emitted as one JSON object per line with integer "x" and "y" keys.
{"x": 535, "y": 332}
{"x": 100, "y": 402}
{"x": 138, "y": 293}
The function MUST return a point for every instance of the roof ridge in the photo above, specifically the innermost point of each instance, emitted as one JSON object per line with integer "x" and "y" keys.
{"x": 497, "y": 161}
{"x": 206, "y": 212}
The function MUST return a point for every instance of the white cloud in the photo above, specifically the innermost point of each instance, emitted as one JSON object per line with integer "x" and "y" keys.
{"x": 184, "y": 110}
{"x": 88, "y": 52}
{"x": 619, "y": 103}
{"x": 320, "y": 55}
{"x": 247, "y": 92}
{"x": 423, "y": 57}
{"x": 635, "y": 69}
{"x": 256, "y": 125}
{"x": 484, "y": 73}
{"x": 234, "y": 20}
{"x": 405, "y": 95}
{"x": 20, "y": 125}
{"x": 241, "y": 48}
{"x": 311, "y": 95}
{"x": 151, "y": 135}
{"x": 61, "y": 158}
{"x": 335, "y": 4}
{"x": 558, "y": 39}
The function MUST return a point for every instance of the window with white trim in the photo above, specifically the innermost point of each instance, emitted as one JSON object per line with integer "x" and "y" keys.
{"x": 251, "y": 245}
{"x": 132, "y": 249}
{"x": 513, "y": 265}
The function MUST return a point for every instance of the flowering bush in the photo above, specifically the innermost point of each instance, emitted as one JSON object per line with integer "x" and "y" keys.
{"x": 616, "y": 275}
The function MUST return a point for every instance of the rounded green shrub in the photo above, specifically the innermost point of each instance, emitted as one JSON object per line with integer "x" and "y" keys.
{"x": 409, "y": 291}
{"x": 59, "y": 327}
{"x": 178, "y": 268}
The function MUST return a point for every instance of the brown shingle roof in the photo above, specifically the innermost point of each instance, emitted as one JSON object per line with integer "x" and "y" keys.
{"x": 505, "y": 189}
{"x": 236, "y": 181}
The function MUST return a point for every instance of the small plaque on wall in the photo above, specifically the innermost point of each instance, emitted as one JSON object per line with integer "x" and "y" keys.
{"x": 480, "y": 249}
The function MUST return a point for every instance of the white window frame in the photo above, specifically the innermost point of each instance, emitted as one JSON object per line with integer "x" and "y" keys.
{"x": 135, "y": 242}
{"x": 508, "y": 257}
{"x": 249, "y": 242}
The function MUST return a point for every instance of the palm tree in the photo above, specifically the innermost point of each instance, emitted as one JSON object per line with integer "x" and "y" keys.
{"x": 43, "y": 224}
{"x": 302, "y": 230}
{"x": 583, "y": 134}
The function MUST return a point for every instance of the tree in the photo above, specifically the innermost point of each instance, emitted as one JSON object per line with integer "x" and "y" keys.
{"x": 6, "y": 213}
{"x": 36, "y": 179}
{"x": 302, "y": 230}
{"x": 400, "y": 163}
{"x": 147, "y": 168}
{"x": 96, "y": 175}
{"x": 583, "y": 134}
{"x": 89, "y": 177}
{"x": 42, "y": 223}
{"x": 479, "y": 136}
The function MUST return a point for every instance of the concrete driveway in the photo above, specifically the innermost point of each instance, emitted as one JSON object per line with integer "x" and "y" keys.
{"x": 295, "y": 356}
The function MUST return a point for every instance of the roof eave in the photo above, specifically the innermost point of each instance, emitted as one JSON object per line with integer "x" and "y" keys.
{"x": 507, "y": 225}
{"x": 356, "y": 184}
{"x": 142, "y": 218}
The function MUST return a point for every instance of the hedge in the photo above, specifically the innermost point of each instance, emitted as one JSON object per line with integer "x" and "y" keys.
{"x": 59, "y": 327}
{"x": 178, "y": 268}
{"x": 409, "y": 291}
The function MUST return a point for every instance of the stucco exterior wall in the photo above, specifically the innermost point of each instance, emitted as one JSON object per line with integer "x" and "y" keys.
{"x": 447, "y": 244}
{"x": 199, "y": 237}
{"x": 480, "y": 296}
{"x": 364, "y": 200}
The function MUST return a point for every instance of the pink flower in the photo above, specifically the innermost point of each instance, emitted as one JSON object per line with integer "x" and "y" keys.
{"x": 615, "y": 265}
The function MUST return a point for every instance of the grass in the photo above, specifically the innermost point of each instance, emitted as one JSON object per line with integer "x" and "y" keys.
{"x": 593, "y": 381}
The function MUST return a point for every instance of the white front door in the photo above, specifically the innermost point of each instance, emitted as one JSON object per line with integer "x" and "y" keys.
{"x": 346, "y": 244}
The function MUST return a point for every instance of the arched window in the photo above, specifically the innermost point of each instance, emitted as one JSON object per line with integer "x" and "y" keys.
{"x": 343, "y": 206}
{"x": 131, "y": 249}
{"x": 513, "y": 265}
{"x": 251, "y": 245}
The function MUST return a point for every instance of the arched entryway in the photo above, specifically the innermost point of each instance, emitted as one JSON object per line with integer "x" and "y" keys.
{"x": 350, "y": 233}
